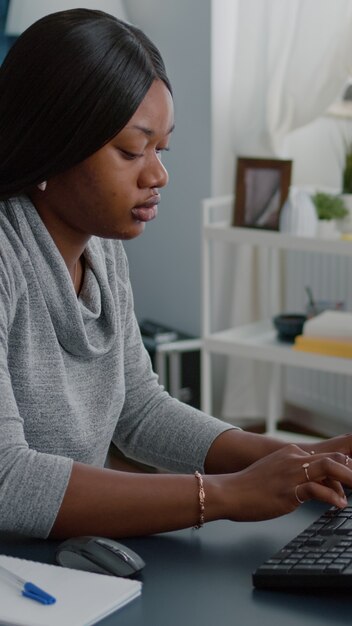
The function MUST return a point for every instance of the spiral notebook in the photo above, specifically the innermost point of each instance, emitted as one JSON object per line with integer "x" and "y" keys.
{"x": 82, "y": 598}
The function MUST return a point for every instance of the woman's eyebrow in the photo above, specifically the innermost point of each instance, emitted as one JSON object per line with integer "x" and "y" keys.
{"x": 148, "y": 131}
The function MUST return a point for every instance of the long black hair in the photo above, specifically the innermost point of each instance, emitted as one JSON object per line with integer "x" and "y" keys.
{"x": 70, "y": 83}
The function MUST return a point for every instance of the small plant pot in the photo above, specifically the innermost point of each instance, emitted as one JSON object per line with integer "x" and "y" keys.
{"x": 327, "y": 229}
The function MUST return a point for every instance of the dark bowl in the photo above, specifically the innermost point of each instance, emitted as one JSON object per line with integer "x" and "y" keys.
{"x": 289, "y": 325}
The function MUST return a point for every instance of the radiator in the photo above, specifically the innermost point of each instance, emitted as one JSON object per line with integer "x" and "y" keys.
{"x": 330, "y": 278}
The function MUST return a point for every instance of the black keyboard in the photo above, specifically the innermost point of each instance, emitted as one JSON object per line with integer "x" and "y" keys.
{"x": 320, "y": 557}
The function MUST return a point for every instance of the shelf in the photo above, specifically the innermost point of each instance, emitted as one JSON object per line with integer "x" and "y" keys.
{"x": 259, "y": 341}
{"x": 222, "y": 231}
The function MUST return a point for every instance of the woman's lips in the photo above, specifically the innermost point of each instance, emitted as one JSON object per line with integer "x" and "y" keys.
{"x": 145, "y": 214}
{"x": 147, "y": 211}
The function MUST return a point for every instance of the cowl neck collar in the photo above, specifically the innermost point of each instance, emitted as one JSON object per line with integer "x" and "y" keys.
{"x": 85, "y": 326}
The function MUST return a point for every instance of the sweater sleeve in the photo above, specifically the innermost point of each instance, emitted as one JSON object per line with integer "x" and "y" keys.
{"x": 32, "y": 484}
{"x": 153, "y": 427}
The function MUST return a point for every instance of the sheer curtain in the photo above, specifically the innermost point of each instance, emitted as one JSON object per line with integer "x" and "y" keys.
{"x": 292, "y": 58}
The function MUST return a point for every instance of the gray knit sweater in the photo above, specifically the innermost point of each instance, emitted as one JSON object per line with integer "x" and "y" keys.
{"x": 74, "y": 375}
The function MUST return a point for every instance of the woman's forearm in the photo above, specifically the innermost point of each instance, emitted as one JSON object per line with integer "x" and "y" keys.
{"x": 121, "y": 504}
{"x": 110, "y": 503}
{"x": 234, "y": 450}
{"x": 252, "y": 477}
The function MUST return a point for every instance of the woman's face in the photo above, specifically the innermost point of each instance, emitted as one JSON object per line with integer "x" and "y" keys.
{"x": 115, "y": 192}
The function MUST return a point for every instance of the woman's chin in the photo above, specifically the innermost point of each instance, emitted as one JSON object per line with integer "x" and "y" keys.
{"x": 128, "y": 233}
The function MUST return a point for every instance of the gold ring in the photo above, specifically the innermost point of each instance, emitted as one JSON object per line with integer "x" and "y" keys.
{"x": 305, "y": 467}
{"x": 297, "y": 496}
{"x": 347, "y": 459}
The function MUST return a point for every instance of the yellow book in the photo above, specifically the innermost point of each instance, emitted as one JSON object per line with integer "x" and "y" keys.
{"x": 322, "y": 345}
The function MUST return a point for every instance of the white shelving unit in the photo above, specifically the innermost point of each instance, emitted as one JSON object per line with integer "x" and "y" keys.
{"x": 256, "y": 341}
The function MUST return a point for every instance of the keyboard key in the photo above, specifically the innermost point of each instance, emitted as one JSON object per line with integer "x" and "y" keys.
{"x": 303, "y": 549}
{"x": 346, "y": 526}
{"x": 316, "y": 541}
{"x": 274, "y": 569}
{"x": 330, "y": 513}
{"x": 332, "y": 525}
{"x": 335, "y": 567}
{"x": 335, "y": 550}
{"x": 283, "y": 554}
{"x": 298, "y": 555}
{"x": 329, "y": 554}
{"x": 306, "y": 569}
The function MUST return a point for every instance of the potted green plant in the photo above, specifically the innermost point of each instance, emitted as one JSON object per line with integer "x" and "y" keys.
{"x": 346, "y": 224}
{"x": 347, "y": 175}
{"x": 330, "y": 208}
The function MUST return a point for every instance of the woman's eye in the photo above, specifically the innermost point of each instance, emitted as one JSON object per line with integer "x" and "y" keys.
{"x": 160, "y": 150}
{"x": 130, "y": 155}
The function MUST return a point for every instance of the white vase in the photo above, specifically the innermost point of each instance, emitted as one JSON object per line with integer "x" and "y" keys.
{"x": 327, "y": 229}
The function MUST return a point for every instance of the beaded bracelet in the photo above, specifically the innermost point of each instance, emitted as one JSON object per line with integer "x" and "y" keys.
{"x": 201, "y": 496}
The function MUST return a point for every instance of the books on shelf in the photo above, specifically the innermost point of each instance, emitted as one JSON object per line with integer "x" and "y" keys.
{"x": 329, "y": 333}
{"x": 324, "y": 345}
{"x": 332, "y": 324}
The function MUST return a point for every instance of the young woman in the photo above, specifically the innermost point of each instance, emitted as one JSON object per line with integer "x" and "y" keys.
{"x": 85, "y": 112}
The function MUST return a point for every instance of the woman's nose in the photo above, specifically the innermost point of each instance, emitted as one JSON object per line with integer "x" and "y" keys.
{"x": 154, "y": 174}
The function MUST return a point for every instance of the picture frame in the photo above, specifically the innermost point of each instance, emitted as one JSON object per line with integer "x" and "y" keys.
{"x": 261, "y": 189}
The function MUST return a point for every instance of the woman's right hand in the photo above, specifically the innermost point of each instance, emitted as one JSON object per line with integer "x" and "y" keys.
{"x": 278, "y": 483}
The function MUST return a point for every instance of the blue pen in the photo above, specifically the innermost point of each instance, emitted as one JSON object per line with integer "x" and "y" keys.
{"x": 28, "y": 589}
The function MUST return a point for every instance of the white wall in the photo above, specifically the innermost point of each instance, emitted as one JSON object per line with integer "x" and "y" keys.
{"x": 223, "y": 40}
{"x": 165, "y": 260}
{"x": 318, "y": 152}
